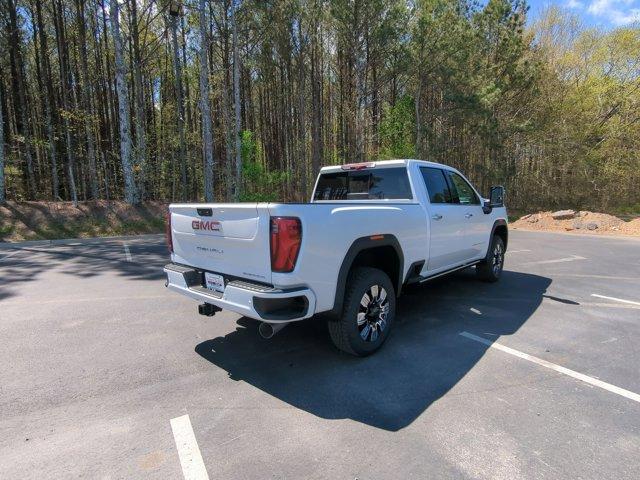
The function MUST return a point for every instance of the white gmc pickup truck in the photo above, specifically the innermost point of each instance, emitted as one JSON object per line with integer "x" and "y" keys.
{"x": 369, "y": 230}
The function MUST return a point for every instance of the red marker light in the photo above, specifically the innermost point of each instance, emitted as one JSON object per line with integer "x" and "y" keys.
{"x": 358, "y": 166}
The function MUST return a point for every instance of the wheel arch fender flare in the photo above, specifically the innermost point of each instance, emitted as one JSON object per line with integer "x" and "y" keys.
{"x": 358, "y": 246}
{"x": 501, "y": 225}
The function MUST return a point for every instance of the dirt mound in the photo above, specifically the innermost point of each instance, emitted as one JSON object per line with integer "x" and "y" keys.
{"x": 51, "y": 220}
{"x": 577, "y": 222}
{"x": 631, "y": 228}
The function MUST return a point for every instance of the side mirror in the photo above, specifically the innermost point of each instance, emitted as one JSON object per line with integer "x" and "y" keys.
{"x": 496, "y": 199}
{"x": 496, "y": 196}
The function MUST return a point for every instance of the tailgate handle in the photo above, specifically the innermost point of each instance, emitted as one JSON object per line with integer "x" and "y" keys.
{"x": 205, "y": 212}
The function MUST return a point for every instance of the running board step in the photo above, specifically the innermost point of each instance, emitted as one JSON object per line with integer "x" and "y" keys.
{"x": 423, "y": 279}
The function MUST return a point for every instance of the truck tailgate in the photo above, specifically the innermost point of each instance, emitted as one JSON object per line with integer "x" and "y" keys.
{"x": 232, "y": 239}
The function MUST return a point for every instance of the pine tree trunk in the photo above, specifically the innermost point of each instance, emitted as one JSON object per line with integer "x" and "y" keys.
{"x": 141, "y": 134}
{"x": 316, "y": 101}
{"x": 20, "y": 98}
{"x": 49, "y": 103}
{"x": 66, "y": 104}
{"x": 130, "y": 191}
{"x": 226, "y": 113}
{"x": 177, "y": 68}
{"x": 86, "y": 100}
{"x": 207, "y": 133}
{"x": 420, "y": 153}
{"x": 236, "y": 102}
{"x": 301, "y": 161}
{"x": 2, "y": 194}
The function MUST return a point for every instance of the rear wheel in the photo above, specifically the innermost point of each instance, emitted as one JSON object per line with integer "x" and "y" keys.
{"x": 491, "y": 268}
{"x": 368, "y": 312}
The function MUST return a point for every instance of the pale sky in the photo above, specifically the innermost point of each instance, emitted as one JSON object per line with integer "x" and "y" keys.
{"x": 602, "y": 13}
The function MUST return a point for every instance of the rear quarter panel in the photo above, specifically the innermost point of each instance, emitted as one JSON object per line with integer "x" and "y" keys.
{"x": 329, "y": 229}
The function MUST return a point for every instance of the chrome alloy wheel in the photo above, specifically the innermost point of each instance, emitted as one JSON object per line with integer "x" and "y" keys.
{"x": 372, "y": 313}
{"x": 498, "y": 258}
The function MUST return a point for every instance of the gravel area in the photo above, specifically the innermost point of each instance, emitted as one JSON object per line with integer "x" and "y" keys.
{"x": 577, "y": 222}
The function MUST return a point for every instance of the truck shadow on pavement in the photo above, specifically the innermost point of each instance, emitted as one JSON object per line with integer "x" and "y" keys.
{"x": 422, "y": 360}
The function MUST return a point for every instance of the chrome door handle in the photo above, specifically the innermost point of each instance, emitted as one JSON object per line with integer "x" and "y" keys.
{"x": 468, "y": 215}
{"x": 437, "y": 216}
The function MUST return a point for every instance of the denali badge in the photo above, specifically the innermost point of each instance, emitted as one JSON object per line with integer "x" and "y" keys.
{"x": 210, "y": 225}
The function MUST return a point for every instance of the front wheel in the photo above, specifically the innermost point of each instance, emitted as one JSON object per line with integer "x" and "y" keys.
{"x": 491, "y": 268}
{"x": 368, "y": 312}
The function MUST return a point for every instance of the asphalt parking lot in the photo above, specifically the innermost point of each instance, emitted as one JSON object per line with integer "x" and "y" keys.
{"x": 105, "y": 374}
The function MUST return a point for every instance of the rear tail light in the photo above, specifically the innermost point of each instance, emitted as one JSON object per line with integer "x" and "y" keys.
{"x": 286, "y": 235}
{"x": 167, "y": 232}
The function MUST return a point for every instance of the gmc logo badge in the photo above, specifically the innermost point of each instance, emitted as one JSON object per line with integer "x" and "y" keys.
{"x": 209, "y": 225}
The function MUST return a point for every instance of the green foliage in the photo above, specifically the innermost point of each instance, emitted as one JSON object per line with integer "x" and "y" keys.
{"x": 259, "y": 185}
{"x": 549, "y": 110}
{"x": 397, "y": 130}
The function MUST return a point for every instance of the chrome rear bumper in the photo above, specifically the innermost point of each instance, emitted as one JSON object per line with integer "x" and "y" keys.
{"x": 252, "y": 300}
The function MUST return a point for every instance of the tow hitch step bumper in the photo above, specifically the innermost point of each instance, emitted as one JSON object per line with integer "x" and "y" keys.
{"x": 257, "y": 301}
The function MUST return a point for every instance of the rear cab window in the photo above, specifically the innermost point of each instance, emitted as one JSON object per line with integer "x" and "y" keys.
{"x": 368, "y": 184}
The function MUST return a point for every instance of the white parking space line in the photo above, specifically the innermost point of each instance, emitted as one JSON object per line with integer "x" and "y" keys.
{"x": 609, "y": 305}
{"x": 518, "y": 251}
{"x": 190, "y": 458}
{"x": 630, "y": 302}
{"x": 572, "y": 258}
{"x": 600, "y": 277}
{"x": 557, "y": 368}
{"x": 127, "y": 252}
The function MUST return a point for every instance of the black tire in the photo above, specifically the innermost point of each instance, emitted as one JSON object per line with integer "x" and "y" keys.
{"x": 491, "y": 268}
{"x": 349, "y": 332}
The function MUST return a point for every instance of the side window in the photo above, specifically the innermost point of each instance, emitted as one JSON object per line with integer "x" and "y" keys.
{"x": 462, "y": 190}
{"x": 436, "y": 185}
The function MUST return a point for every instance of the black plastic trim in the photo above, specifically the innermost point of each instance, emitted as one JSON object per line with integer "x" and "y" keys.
{"x": 496, "y": 224}
{"x": 413, "y": 274}
{"x": 286, "y": 308}
{"x": 359, "y": 245}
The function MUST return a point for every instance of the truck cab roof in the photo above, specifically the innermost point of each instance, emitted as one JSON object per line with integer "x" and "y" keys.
{"x": 382, "y": 163}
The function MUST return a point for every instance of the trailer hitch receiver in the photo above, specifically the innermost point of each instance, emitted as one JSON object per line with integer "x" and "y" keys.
{"x": 208, "y": 309}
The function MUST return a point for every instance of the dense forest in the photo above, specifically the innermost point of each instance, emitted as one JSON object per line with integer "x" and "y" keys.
{"x": 232, "y": 100}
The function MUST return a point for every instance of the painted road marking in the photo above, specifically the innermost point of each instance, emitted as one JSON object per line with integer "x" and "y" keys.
{"x": 190, "y": 458}
{"x": 601, "y": 277}
{"x": 518, "y": 251}
{"x": 127, "y": 253}
{"x": 630, "y": 302}
{"x": 557, "y": 260}
{"x": 609, "y": 305}
{"x": 557, "y": 368}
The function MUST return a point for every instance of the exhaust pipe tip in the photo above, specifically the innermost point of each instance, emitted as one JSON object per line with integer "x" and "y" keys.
{"x": 268, "y": 330}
